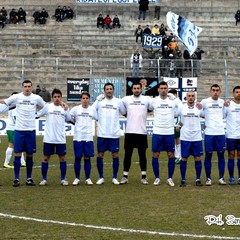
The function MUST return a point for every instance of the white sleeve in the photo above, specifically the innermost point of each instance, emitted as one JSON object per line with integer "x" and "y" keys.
{"x": 43, "y": 111}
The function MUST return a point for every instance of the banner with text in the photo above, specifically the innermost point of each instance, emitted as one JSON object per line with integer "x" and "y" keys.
{"x": 152, "y": 41}
{"x": 75, "y": 86}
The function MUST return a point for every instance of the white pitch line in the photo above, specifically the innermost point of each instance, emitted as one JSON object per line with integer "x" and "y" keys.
{"x": 173, "y": 234}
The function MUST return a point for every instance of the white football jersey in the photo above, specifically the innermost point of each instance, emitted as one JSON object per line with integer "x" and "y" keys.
{"x": 56, "y": 116}
{"x": 165, "y": 111}
{"x": 232, "y": 113}
{"x": 83, "y": 129}
{"x": 191, "y": 125}
{"x": 25, "y": 110}
{"x": 136, "y": 109}
{"x": 213, "y": 113}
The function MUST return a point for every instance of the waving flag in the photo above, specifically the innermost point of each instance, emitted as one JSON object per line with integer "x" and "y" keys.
{"x": 186, "y": 31}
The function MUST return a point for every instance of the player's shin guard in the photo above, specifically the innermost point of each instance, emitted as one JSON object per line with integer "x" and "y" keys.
{"x": 87, "y": 168}
{"x": 231, "y": 168}
{"x": 29, "y": 166}
{"x": 17, "y": 165}
{"x": 183, "y": 169}
{"x": 208, "y": 164}
{"x": 44, "y": 170}
{"x": 221, "y": 164}
{"x": 198, "y": 169}
{"x": 100, "y": 166}
{"x": 115, "y": 166}
{"x": 77, "y": 167}
{"x": 63, "y": 169}
{"x": 155, "y": 166}
{"x": 171, "y": 167}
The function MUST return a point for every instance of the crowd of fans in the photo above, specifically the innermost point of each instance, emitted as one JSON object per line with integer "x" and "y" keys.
{"x": 40, "y": 15}
{"x": 173, "y": 61}
{"x": 108, "y": 22}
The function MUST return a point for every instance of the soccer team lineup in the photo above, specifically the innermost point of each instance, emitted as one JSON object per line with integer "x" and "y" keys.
{"x": 176, "y": 130}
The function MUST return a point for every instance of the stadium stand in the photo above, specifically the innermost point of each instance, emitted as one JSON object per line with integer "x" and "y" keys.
{"x": 75, "y": 48}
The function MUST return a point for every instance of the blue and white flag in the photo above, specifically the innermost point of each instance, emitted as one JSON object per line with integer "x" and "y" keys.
{"x": 186, "y": 31}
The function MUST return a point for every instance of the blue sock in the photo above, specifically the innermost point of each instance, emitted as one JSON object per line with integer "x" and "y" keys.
{"x": 198, "y": 169}
{"x": 44, "y": 170}
{"x": 63, "y": 169}
{"x": 100, "y": 166}
{"x": 221, "y": 164}
{"x": 87, "y": 168}
{"x": 77, "y": 167}
{"x": 183, "y": 169}
{"x": 29, "y": 166}
{"x": 231, "y": 168}
{"x": 17, "y": 165}
{"x": 115, "y": 166}
{"x": 208, "y": 164}
{"x": 155, "y": 166}
{"x": 238, "y": 165}
{"x": 171, "y": 167}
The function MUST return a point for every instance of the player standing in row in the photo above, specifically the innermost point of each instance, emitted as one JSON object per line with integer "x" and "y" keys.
{"x": 136, "y": 108}
{"x": 25, "y": 133}
{"x": 54, "y": 140}
{"x": 232, "y": 114}
{"x": 191, "y": 137}
{"x": 10, "y": 134}
{"x": 214, "y": 139}
{"x": 163, "y": 139}
{"x": 82, "y": 116}
{"x": 107, "y": 109}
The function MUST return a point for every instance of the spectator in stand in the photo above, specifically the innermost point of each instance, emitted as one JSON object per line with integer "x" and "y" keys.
{"x": 64, "y": 12}
{"x": 179, "y": 64}
{"x": 147, "y": 30}
{"x": 36, "y": 16}
{"x": 199, "y": 53}
{"x": 143, "y": 7}
{"x": 171, "y": 66}
{"x": 116, "y": 22}
{"x": 155, "y": 30}
{"x": 46, "y": 96}
{"x": 108, "y": 22}
{"x": 194, "y": 65}
{"x": 2, "y": 20}
{"x": 13, "y": 16}
{"x": 157, "y": 9}
{"x": 43, "y": 16}
{"x": 187, "y": 60}
{"x": 151, "y": 57}
{"x": 237, "y": 16}
{"x": 100, "y": 21}
{"x": 139, "y": 33}
{"x": 4, "y": 14}
{"x": 136, "y": 63}
{"x": 163, "y": 30}
{"x": 58, "y": 14}
{"x": 37, "y": 90}
{"x": 70, "y": 13}
{"x": 4, "y": 11}
{"x": 21, "y": 15}
{"x": 172, "y": 45}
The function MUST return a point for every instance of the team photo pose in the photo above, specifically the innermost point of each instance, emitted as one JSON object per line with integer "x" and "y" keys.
{"x": 54, "y": 140}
